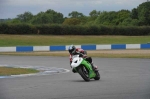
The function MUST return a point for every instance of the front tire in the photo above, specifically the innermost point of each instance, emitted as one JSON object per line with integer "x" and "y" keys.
{"x": 83, "y": 74}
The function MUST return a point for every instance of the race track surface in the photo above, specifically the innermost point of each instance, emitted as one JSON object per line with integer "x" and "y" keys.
{"x": 120, "y": 79}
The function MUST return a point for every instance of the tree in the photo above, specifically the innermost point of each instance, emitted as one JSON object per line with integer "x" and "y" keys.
{"x": 57, "y": 17}
{"x": 107, "y": 18}
{"x": 27, "y": 16}
{"x": 134, "y": 14}
{"x": 112, "y": 17}
{"x": 94, "y": 13}
{"x": 14, "y": 21}
{"x": 48, "y": 17}
{"x": 75, "y": 14}
{"x": 42, "y": 18}
{"x": 122, "y": 15}
{"x": 130, "y": 22}
{"x": 71, "y": 21}
{"x": 144, "y": 13}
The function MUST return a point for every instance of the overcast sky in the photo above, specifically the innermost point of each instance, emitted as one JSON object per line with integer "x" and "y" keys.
{"x": 12, "y": 8}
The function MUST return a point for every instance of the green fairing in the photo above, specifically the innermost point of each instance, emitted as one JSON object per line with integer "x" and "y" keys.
{"x": 88, "y": 66}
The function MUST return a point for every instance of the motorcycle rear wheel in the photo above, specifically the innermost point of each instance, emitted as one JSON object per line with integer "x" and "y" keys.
{"x": 97, "y": 75}
{"x": 83, "y": 74}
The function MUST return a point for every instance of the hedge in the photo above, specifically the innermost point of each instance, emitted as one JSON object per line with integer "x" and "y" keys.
{"x": 56, "y": 29}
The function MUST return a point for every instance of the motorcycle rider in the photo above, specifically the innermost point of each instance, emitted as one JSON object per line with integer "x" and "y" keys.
{"x": 82, "y": 53}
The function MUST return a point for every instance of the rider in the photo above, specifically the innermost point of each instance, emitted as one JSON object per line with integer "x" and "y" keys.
{"x": 75, "y": 51}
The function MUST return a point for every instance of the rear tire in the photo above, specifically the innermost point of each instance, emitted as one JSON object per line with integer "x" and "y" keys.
{"x": 83, "y": 74}
{"x": 97, "y": 75}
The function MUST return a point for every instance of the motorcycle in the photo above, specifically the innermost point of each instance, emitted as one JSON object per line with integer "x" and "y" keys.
{"x": 84, "y": 68}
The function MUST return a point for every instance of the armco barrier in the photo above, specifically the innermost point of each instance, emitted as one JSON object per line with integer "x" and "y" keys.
{"x": 65, "y": 47}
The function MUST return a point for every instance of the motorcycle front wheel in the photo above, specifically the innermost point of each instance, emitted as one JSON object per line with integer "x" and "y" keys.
{"x": 82, "y": 71}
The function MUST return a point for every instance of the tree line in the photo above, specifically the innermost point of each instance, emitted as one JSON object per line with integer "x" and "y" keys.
{"x": 139, "y": 16}
{"x": 124, "y": 22}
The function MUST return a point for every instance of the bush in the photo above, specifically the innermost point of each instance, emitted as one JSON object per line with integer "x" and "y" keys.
{"x": 17, "y": 29}
{"x": 49, "y": 29}
{"x": 57, "y": 29}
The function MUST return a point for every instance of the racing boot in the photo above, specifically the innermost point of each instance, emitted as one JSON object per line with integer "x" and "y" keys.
{"x": 95, "y": 68}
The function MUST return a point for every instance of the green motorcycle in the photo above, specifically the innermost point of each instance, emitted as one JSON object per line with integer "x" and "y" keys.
{"x": 84, "y": 68}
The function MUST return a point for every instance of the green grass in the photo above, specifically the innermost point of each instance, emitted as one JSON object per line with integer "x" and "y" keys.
{"x": 47, "y": 40}
{"x": 7, "y": 71}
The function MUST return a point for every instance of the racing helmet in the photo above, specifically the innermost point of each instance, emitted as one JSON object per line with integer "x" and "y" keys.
{"x": 72, "y": 49}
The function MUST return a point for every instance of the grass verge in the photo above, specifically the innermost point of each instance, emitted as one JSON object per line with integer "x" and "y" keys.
{"x": 7, "y": 71}
{"x": 47, "y": 40}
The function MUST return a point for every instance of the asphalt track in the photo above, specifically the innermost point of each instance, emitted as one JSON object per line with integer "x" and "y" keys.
{"x": 120, "y": 79}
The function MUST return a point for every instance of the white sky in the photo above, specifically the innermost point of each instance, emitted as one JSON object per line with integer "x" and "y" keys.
{"x": 11, "y": 8}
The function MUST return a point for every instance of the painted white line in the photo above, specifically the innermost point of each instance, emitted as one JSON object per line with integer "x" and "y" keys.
{"x": 43, "y": 70}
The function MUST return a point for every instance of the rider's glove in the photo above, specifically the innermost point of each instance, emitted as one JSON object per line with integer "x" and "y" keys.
{"x": 80, "y": 55}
